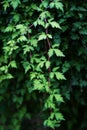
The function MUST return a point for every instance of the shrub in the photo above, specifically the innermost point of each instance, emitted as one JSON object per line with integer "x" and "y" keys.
{"x": 43, "y": 59}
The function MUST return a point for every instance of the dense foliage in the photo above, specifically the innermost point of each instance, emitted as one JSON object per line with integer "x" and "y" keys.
{"x": 43, "y": 64}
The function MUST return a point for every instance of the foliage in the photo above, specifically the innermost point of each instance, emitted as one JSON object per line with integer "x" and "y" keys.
{"x": 43, "y": 59}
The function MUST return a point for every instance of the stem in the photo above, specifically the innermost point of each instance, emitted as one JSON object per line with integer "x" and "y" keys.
{"x": 31, "y": 26}
{"x": 49, "y": 45}
{"x": 30, "y": 51}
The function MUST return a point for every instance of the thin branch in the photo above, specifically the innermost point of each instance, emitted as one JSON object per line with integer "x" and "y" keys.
{"x": 49, "y": 45}
{"x": 30, "y": 51}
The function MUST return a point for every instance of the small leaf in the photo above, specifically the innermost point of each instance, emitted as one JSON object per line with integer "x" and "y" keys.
{"x": 38, "y": 85}
{"x": 35, "y": 23}
{"x": 52, "y": 5}
{"x": 15, "y": 3}
{"x": 26, "y": 66}
{"x": 45, "y": 14}
{"x": 9, "y": 76}
{"x": 55, "y": 25}
{"x": 47, "y": 64}
{"x": 59, "y": 116}
{"x": 83, "y": 31}
{"x": 59, "y": 5}
{"x": 44, "y": 4}
{"x": 58, "y": 53}
{"x": 13, "y": 64}
{"x": 55, "y": 46}
{"x": 52, "y": 116}
{"x": 49, "y": 36}
{"x": 9, "y": 28}
{"x": 26, "y": 49}
{"x": 50, "y": 52}
{"x": 16, "y": 17}
{"x": 49, "y": 123}
{"x": 55, "y": 69}
{"x": 58, "y": 98}
{"x": 34, "y": 42}
{"x": 66, "y": 67}
{"x": 51, "y": 75}
{"x": 41, "y": 22}
{"x": 22, "y": 38}
{"x": 60, "y": 76}
{"x": 19, "y": 26}
{"x": 42, "y": 37}
{"x": 5, "y": 4}
{"x": 41, "y": 64}
{"x": 32, "y": 75}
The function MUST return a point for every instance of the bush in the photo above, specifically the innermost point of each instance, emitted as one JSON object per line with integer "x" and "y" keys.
{"x": 43, "y": 59}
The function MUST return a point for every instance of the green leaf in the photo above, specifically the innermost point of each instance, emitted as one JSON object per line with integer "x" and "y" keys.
{"x": 35, "y": 23}
{"x": 32, "y": 75}
{"x": 51, "y": 75}
{"x": 22, "y": 28}
{"x": 55, "y": 69}
{"x": 49, "y": 123}
{"x": 58, "y": 98}
{"x": 41, "y": 22}
{"x": 59, "y": 116}
{"x": 38, "y": 85}
{"x": 9, "y": 28}
{"x": 50, "y": 52}
{"x": 42, "y": 37}
{"x": 49, "y": 36}
{"x": 59, "y": 5}
{"x": 55, "y": 25}
{"x": 34, "y": 42}
{"x": 26, "y": 66}
{"x": 83, "y": 31}
{"x": 52, "y": 115}
{"x": 26, "y": 48}
{"x": 47, "y": 64}
{"x": 45, "y": 4}
{"x": 16, "y": 17}
{"x": 13, "y": 64}
{"x": 52, "y": 4}
{"x": 22, "y": 39}
{"x": 60, "y": 76}
{"x": 19, "y": 26}
{"x": 9, "y": 76}
{"x": 58, "y": 53}
{"x": 66, "y": 67}
{"x": 55, "y": 46}
{"x": 41, "y": 64}
{"x": 4, "y": 68}
{"x": 15, "y": 3}
{"x": 45, "y": 14}
{"x": 49, "y": 104}
{"x": 5, "y": 4}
